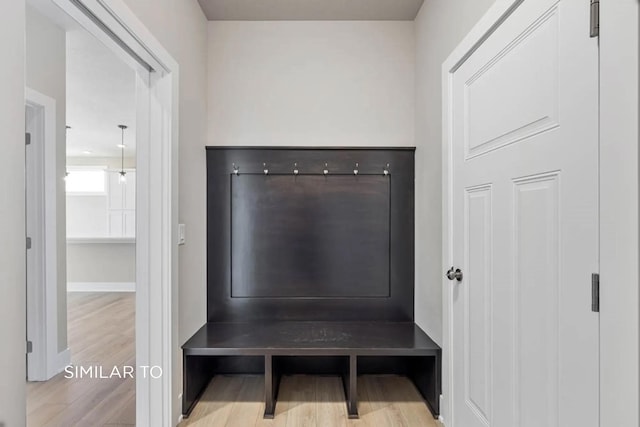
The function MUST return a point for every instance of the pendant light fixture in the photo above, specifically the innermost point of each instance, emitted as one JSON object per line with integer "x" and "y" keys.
{"x": 123, "y": 174}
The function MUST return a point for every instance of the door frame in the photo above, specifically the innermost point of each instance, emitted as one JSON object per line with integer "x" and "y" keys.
{"x": 619, "y": 208}
{"x": 157, "y": 80}
{"x": 619, "y": 213}
{"x": 42, "y": 301}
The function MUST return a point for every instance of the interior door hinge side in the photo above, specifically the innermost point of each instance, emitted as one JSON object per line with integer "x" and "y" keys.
{"x": 594, "y": 24}
{"x": 595, "y": 292}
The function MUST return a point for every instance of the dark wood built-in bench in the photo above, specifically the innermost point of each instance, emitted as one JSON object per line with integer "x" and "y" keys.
{"x": 310, "y": 270}
{"x": 348, "y": 349}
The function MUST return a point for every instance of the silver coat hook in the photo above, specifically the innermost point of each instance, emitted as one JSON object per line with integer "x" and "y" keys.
{"x": 386, "y": 170}
{"x": 355, "y": 171}
{"x": 266, "y": 171}
{"x": 326, "y": 169}
{"x": 236, "y": 169}
{"x": 295, "y": 169}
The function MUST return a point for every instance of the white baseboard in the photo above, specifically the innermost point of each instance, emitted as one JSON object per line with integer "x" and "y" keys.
{"x": 101, "y": 287}
{"x": 440, "y": 417}
{"x": 61, "y": 360}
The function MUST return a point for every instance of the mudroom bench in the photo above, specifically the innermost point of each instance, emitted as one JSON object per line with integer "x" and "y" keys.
{"x": 310, "y": 270}
{"x": 346, "y": 349}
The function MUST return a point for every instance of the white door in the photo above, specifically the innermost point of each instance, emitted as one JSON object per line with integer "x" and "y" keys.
{"x": 524, "y": 135}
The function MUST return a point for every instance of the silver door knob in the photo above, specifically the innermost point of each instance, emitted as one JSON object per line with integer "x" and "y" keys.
{"x": 454, "y": 274}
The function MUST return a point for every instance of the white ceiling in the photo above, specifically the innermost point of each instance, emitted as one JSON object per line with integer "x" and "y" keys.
{"x": 100, "y": 96}
{"x": 311, "y": 10}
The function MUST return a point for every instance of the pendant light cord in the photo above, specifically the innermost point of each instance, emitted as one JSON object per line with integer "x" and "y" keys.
{"x": 122, "y": 157}
{"x": 122, "y": 172}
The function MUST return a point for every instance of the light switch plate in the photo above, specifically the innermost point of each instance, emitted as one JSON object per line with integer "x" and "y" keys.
{"x": 182, "y": 234}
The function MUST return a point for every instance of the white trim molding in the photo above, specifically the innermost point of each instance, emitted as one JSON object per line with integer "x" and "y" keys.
{"x": 63, "y": 359}
{"x": 619, "y": 213}
{"x": 42, "y": 303}
{"x": 440, "y": 417}
{"x": 101, "y": 287}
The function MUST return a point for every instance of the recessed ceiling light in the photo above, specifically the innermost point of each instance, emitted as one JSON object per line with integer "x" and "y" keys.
{"x": 87, "y": 152}
{"x": 121, "y": 145}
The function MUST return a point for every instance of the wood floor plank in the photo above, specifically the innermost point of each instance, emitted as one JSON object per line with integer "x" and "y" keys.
{"x": 45, "y": 413}
{"x": 302, "y": 410}
{"x": 305, "y": 400}
{"x": 404, "y": 395}
{"x": 215, "y": 404}
{"x": 111, "y": 405}
{"x": 100, "y": 332}
{"x": 249, "y": 405}
{"x": 384, "y": 412}
{"x": 124, "y": 415}
{"x": 330, "y": 402}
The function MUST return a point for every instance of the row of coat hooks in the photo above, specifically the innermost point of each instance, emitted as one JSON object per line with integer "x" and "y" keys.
{"x": 325, "y": 171}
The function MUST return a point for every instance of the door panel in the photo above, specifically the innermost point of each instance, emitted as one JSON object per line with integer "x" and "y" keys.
{"x": 526, "y": 71}
{"x": 524, "y": 131}
{"x": 478, "y": 301}
{"x": 536, "y": 258}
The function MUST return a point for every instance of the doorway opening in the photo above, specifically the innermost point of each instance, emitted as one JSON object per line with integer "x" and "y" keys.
{"x": 102, "y": 192}
{"x": 88, "y": 96}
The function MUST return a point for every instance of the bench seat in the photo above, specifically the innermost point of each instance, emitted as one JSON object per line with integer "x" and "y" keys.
{"x": 275, "y": 348}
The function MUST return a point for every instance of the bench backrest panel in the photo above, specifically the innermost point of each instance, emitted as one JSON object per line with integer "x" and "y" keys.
{"x": 296, "y": 243}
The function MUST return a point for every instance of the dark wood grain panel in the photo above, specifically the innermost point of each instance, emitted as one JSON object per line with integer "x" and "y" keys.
{"x": 310, "y": 236}
{"x": 364, "y": 301}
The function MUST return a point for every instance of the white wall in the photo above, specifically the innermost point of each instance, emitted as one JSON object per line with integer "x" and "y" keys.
{"x": 311, "y": 83}
{"x": 46, "y": 73}
{"x": 12, "y": 226}
{"x": 101, "y": 262}
{"x": 439, "y": 27}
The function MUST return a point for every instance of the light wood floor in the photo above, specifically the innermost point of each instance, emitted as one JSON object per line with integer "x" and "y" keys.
{"x": 305, "y": 401}
{"x": 101, "y": 332}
